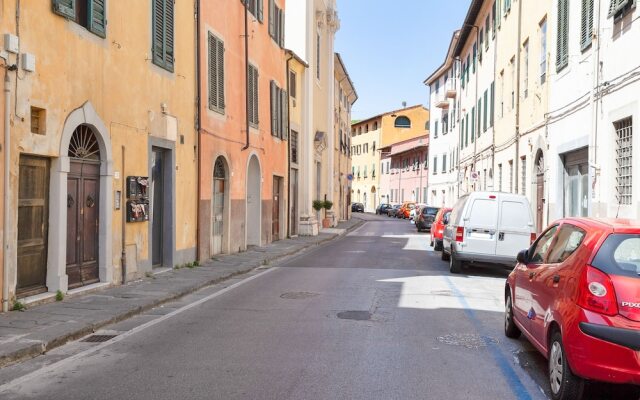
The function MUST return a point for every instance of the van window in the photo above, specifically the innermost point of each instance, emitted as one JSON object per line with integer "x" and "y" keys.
{"x": 458, "y": 208}
{"x": 484, "y": 213}
{"x": 514, "y": 216}
{"x": 569, "y": 239}
{"x": 619, "y": 255}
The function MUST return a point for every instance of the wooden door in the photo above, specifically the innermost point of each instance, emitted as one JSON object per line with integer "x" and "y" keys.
{"x": 275, "y": 224}
{"x": 218, "y": 214}
{"x": 540, "y": 203}
{"x": 33, "y": 206}
{"x": 157, "y": 207}
{"x": 83, "y": 211}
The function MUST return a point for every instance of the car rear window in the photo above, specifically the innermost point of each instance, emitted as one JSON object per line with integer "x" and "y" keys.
{"x": 619, "y": 255}
{"x": 430, "y": 211}
{"x": 514, "y": 215}
{"x": 483, "y": 213}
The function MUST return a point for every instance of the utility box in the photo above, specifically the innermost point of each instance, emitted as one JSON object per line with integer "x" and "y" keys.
{"x": 11, "y": 43}
{"x": 28, "y": 62}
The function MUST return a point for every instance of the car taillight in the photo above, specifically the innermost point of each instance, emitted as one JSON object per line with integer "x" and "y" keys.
{"x": 533, "y": 237}
{"x": 596, "y": 292}
{"x": 459, "y": 234}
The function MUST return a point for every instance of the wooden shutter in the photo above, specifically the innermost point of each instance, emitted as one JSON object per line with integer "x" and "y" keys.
{"x": 274, "y": 111}
{"x": 285, "y": 115}
{"x": 586, "y": 24}
{"x": 220, "y": 73}
{"x": 562, "y": 56}
{"x": 250, "y": 93}
{"x": 617, "y": 5}
{"x": 169, "y": 31}
{"x": 281, "y": 37}
{"x": 216, "y": 73}
{"x": 272, "y": 18}
{"x": 260, "y": 9}
{"x": 484, "y": 118}
{"x": 66, "y": 8}
{"x": 256, "y": 109}
{"x": 493, "y": 95}
{"x": 163, "y": 29}
{"x": 97, "y": 21}
{"x": 498, "y": 14}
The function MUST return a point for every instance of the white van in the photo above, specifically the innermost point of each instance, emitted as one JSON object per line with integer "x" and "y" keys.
{"x": 487, "y": 227}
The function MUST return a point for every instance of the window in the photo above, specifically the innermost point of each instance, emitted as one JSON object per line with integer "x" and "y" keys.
{"x": 618, "y": 255}
{"x": 373, "y": 148}
{"x": 375, "y": 126}
{"x": 501, "y": 93}
{"x": 491, "y": 111}
{"x": 366, "y": 128}
{"x": 543, "y": 51}
{"x": 276, "y": 22}
{"x": 538, "y": 253}
{"x": 435, "y": 129}
{"x": 586, "y": 24}
{"x": 38, "y": 121}
{"x": 365, "y": 172}
{"x": 293, "y": 86}
{"x": 619, "y": 8}
{"x": 475, "y": 56}
{"x": 473, "y": 124}
{"x": 216, "y": 74}
{"x": 481, "y": 41}
{"x": 163, "y": 29}
{"x": 525, "y": 84}
{"x": 624, "y": 170}
{"x": 466, "y": 133}
{"x": 373, "y": 170}
{"x": 255, "y": 7}
{"x": 279, "y": 112}
{"x": 487, "y": 27}
{"x": 499, "y": 177}
{"x": 294, "y": 148}
{"x": 568, "y": 240}
{"x": 445, "y": 123}
{"x": 461, "y": 132}
{"x": 512, "y": 64}
{"x": 90, "y": 14}
{"x": 366, "y": 147}
{"x": 444, "y": 163}
{"x": 252, "y": 88}
{"x": 437, "y": 86}
{"x": 510, "y": 176}
{"x": 402, "y": 122}
{"x": 497, "y": 17}
{"x": 484, "y": 116}
{"x": 562, "y": 52}
{"x": 435, "y": 165}
{"x": 523, "y": 165}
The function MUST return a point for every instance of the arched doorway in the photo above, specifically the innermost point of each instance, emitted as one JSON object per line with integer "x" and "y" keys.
{"x": 539, "y": 171}
{"x": 218, "y": 212}
{"x": 83, "y": 208}
{"x": 253, "y": 224}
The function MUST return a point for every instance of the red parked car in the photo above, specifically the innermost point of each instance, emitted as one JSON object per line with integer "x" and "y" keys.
{"x": 575, "y": 294}
{"x": 437, "y": 229}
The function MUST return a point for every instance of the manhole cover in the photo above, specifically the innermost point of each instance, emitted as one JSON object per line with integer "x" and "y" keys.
{"x": 98, "y": 338}
{"x": 355, "y": 315}
{"x": 297, "y": 295}
{"x": 470, "y": 341}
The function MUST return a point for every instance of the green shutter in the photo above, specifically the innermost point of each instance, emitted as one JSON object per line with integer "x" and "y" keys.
{"x": 497, "y": 13}
{"x": 163, "y": 30}
{"x": 562, "y": 56}
{"x": 220, "y": 73}
{"x": 484, "y": 120}
{"x": 272, "y": 18}
{"x": 493, "y": 95}
{"x": 97, "y": 18}
{"x": 216, "y": 73}
{"x": 285, "y": 115}
{"x": 260, "y": 10}
{"x": 256, "y": 109}
{"x": 281, "y": 37}
{"x": 466, "y": 132}
{"x": 66, "y": 8}
{"x": 618, "y": 5}
{"x": 461, "y": 132}
{"x": 586, "y": 24}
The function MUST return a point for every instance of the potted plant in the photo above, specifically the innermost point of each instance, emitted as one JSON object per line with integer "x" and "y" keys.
{"x": 326, "y": 222}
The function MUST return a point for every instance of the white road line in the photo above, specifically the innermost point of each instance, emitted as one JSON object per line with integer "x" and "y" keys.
{"x": 14, "y": 384}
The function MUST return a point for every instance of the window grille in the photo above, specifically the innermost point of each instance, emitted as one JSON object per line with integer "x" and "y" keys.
{"x": 624, "y": 169}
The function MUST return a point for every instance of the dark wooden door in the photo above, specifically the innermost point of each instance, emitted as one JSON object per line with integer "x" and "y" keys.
{"x": 275, "y": 225}
{"x": 83, "y": 211}
{"x": 33, "y": 206}
{"x": 157, "y": 207}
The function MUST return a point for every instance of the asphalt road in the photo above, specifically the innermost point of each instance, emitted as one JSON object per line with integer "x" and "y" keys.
{"x": 373, "y": 315}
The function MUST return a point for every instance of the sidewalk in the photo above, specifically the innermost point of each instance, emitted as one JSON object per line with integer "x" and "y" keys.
{"x": 39, "y": 329}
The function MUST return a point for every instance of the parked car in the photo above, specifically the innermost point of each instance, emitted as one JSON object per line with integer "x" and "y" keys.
{"x": 574, "y": 294}
{"x": 413, "y": 212}
{"x": 487, "y": 227}
{"x": 357, "y": 207}
{"x": 437, "y": 228}
{"x": 393, "y": 211}
{"x": 425, "y": 217}
{"x": 383, "y": 208}
{"x": 405, "y": 210}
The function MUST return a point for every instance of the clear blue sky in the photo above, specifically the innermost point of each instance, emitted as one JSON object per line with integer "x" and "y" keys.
{"x": 391, "y": 46}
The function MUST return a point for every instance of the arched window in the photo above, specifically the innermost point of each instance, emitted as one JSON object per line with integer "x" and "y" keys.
{"x": 402, "y": 122}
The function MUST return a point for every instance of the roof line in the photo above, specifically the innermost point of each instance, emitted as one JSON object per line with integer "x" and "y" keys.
{"x": 388, "y": 113}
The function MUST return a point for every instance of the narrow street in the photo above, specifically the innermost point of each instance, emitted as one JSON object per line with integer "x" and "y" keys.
{"x": 372, "y": 315}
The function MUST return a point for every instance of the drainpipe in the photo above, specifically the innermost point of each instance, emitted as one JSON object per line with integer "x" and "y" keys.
{"x": 246, "y": 69}
{"x": 517, "y": 94}
{"x": 123, "y": 207}
{"x": 595, "y": 94}
{"x": 288, "y": 150}
{"x": 198, "y": 126}
{"x": 7, "y": 197}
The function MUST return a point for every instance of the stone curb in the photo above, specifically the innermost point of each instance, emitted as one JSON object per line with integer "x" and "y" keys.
{"x": 37, "y": 348}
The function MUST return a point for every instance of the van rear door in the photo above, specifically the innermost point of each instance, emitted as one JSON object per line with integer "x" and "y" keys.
{"x": 480, "y": 224}
{"x": 514, "y": 227}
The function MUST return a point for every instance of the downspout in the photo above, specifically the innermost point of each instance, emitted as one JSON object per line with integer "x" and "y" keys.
{"x": 7, "y": 197}
{"x": 475, "y": 103}
{"x": 517, "y": 94}
{"x": 123, "y": 255}
{"x": 289, "y": 148}
{"x": 198, "y": 127}
{"x": 595, "y": 102}
{"x": 246, "y": 70}
{"x": 493, "y": 102}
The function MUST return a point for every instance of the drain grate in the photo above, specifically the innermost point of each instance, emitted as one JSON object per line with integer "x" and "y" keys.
{"x": 297, "y": 295}
{"x": 355, "y": 315}
{"x": 98, "y": 338}
{"x": 469, "y": 341}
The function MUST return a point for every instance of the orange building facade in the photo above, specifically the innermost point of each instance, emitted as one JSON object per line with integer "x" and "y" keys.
{"x": 243, "y": 175}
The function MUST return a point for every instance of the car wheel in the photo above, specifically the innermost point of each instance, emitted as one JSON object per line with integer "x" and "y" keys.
{"x": 510, "y": 328}
{"x": 437, "y": 247}
{"x": 455, "y": 266}
{"x": 444, "y": 256}
{"x": 564, "y": 384}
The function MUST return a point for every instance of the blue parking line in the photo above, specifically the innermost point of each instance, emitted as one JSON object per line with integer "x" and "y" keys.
{"x": 507, "y": 371}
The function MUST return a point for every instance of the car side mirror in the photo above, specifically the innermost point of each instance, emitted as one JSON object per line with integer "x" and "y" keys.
{"x": 523, "y": 257}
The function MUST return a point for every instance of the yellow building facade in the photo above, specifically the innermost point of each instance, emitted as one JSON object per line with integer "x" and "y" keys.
{"x": 103, "y": 147}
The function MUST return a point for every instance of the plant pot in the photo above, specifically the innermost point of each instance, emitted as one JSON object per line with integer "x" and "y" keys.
{"x": 326, "y": 223}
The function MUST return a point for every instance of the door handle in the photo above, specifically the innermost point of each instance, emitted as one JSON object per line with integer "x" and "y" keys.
{"x": 532, "y": 275}
{"x": 501, "y": 236}
{"x": 556, "y": 278}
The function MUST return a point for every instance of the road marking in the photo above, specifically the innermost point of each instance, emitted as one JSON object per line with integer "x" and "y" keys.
{"x": 56, "y": 367}
{"x": 354, "y": 251}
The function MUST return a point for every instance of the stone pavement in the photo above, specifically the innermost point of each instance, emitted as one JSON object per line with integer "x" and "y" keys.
{"x": 39, "y": 329}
